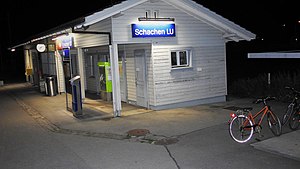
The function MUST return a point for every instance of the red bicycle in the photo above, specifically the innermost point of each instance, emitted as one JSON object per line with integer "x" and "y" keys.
{"x": 243, "y": 124}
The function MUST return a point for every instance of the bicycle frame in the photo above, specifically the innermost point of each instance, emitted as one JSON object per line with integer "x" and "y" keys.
{"x": 296, "y": 109}
{"x": 263, "y": 111}
{"x": 293, "y": 106}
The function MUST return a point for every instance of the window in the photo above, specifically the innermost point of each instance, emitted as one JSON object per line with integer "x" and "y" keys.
{"x": 181, "y": 58}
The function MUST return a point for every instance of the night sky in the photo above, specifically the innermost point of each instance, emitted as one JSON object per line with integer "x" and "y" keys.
{"x": 274, "y": 22}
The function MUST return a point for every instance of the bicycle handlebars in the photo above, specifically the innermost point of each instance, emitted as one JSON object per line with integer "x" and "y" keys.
{"x": 293, "y": 90}
{"x": 264, "y": 100}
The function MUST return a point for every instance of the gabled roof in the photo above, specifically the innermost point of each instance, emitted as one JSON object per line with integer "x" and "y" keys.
{"x": 231, "y": 30}
{"x": 109, "y": 12}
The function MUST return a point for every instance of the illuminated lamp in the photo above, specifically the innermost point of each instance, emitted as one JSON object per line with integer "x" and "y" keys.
{"x": 156, "y": 19}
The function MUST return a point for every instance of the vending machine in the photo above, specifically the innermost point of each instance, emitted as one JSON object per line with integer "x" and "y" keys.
{"x": 105, "y": 81}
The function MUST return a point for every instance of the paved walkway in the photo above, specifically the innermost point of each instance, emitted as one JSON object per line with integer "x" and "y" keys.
{"x": 160, "y": 127}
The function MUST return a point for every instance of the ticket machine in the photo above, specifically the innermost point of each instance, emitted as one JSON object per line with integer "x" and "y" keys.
{"x": 76, "y": 96}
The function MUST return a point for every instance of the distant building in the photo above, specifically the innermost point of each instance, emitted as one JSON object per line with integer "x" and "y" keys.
{"x": 157, "y": 54}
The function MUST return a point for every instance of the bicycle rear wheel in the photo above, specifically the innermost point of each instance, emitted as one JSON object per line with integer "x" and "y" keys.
{"x": 294, "y": 122}
{"x": 287, "y": 114}
{"x": 241, "y": 129}
{"x": 274, "y": 124}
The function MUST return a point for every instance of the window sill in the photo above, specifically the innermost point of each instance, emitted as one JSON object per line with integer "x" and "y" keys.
{"x": 181, "y": 68}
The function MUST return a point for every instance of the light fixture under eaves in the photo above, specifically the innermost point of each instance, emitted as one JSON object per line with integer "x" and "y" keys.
{"x": 156, "y": 19}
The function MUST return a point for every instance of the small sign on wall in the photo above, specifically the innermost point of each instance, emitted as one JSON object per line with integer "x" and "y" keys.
{"x": 41, "y": 47}
{"x": 51, "y": 47}
{"x": 64, "y": 42}
{"x": 153, "y": 30}
{"x": 66, "y": 54}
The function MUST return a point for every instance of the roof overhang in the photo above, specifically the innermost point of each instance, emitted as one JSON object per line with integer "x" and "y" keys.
{"x": 109, "y": 12}
{"x": 231, "y": 30}
{"x": 274, "y": 55}
{"x": 59, "y": 30}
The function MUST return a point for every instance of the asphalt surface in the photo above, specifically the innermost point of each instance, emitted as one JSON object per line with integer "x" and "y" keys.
{"x": 165, "y": 127}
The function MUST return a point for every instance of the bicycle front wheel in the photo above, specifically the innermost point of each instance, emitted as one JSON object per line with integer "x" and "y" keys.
{"x": 274, "y": 124}
{"x": 241, "y": 129}
{"x": 294, "y": 122}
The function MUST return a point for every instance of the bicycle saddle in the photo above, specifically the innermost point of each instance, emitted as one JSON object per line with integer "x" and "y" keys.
{"x": 247, "y": 109}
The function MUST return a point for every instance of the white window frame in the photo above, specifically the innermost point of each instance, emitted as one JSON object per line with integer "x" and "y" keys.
{"x": 189, "y": 55}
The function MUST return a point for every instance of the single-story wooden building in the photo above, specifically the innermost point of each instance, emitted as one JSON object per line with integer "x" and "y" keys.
{"x": 157, "y": 54}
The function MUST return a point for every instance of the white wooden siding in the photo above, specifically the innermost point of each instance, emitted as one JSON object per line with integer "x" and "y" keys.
{"x": 189, "y": 84}
{"x": 130, "y": 71}
{"x": 84, "y": 71}
{"x": 60, "y": 73}
{"x": 207, "y": 76}
{"x": 205, "y": 79}
{"x": 189, "y": 30}
{"x": 90, "y": 40}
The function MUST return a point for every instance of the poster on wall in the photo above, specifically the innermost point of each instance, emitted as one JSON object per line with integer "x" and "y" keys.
{"x": 64, "y": 42}
{"x": 66, "y": 54}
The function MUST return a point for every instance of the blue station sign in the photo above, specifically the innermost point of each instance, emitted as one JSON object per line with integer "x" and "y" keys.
{"x": 153, "y": 30}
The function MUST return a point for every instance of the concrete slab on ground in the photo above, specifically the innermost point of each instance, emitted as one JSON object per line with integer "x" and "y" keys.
{"x": 287, "y": 145}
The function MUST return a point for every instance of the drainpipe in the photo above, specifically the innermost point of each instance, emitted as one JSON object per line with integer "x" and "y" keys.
{"x": 115, "y": 79}
{"x": 113, "y": 52}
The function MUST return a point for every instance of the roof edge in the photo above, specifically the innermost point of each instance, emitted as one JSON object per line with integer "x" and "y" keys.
{"x": 109, "y": 12}
{"x": 50, "y": 32}
{"x": 199, "y": 11}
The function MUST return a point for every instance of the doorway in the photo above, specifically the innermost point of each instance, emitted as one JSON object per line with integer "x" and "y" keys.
{"x": 141, "y": 77}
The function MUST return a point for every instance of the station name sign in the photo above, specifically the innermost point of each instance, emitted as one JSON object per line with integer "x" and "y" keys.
{"x": 153, "y": 30}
